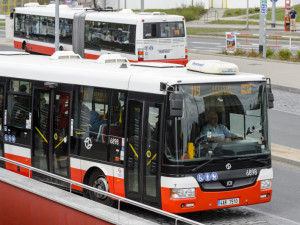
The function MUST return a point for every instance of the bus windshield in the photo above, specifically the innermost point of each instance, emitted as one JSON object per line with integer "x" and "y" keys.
{"x": 219, "y": 120}
{"x": 164, "y": 30}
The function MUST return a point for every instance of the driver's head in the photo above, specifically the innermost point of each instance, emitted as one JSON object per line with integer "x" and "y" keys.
{"x": 212, "y": 118}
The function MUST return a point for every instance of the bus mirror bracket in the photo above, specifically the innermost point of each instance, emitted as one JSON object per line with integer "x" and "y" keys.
{"x": 176, "y": 104}
{"x": 270, "y": 95}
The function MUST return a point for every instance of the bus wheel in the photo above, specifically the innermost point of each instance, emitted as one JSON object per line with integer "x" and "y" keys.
{"x": 99, "y": 181}
{"x": 25, "y": 47}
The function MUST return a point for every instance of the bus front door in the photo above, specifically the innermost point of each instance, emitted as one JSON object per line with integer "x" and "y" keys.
{"x": 142, "y": 181}
{"x": 51, "y": 111}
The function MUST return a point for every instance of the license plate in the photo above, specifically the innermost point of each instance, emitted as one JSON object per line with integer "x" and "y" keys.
{"x": 231, "y": 201}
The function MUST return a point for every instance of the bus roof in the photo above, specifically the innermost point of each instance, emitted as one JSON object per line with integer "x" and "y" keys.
{"x": 127, "y": 14}
{"x": 111, "y": 75}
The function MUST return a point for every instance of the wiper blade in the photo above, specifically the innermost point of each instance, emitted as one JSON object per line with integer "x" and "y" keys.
{"x": 253, "y": 160}
{"x": 209, "y": 161}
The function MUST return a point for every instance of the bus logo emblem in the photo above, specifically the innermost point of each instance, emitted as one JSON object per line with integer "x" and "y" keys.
{"x": 229, "y": 183}
{"x": 88, "y": 143}
{"x": 228, "y": 166}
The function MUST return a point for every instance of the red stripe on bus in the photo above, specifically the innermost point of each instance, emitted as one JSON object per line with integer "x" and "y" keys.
{"x": 209, "y": 200}
{"x": 40, "y": 49}
{"x": 20, "y": 159}
{"x": 176, "y": 61}
{"x": 116, "y": 185}
{"x": 76, "y": 175}
{"x": 18, "y": 44}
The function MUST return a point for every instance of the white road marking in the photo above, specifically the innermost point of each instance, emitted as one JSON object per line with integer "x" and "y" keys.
{"x": 207, "y": 48}
{"x": 199, "y": 42}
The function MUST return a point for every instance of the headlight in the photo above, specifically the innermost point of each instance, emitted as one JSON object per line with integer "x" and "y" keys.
{"x": 265, "y": 184}
{"x": 183, "y": 193}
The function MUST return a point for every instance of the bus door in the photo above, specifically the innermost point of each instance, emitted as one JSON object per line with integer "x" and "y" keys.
{"x": 142, "y": 181}
{"x": 51, "y": 116}
{"x": 2, "y": 163}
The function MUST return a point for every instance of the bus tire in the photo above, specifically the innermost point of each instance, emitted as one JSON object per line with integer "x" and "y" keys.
{"x": 99, "y": 181}
{"x": 25, "y": 47}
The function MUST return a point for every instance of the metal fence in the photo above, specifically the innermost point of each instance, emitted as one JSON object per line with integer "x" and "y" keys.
{"x": 119, "y": 199}
{"x": 275, "y": 41}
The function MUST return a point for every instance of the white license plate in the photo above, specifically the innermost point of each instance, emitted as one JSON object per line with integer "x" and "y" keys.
{"x": 231, "y": 201}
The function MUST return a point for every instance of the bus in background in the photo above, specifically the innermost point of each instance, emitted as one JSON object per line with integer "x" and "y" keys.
{"x": 140, "y": 130}
{"x": 91, "y": 33}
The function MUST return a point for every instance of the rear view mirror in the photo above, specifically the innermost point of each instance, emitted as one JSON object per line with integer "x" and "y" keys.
{"x": 270, "y": 97}
{"x": 176, "y": 104}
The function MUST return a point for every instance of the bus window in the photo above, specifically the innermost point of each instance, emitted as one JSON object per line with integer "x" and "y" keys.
{"x": 163, "y": 30}
{"x": 18, "y": 113}
{"x": 110, "y": 36}
{"x": 90, "y": 122}
{"x": 116, "y": 123}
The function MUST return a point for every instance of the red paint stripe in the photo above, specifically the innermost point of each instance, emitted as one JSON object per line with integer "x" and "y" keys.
{"x": 20, "y": 159}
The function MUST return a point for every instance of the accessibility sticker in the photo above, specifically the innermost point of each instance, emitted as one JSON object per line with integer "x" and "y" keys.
{"x": 207, "y": 177}
{"x": 200, "y": 177}
{"x": 214, "y": 176}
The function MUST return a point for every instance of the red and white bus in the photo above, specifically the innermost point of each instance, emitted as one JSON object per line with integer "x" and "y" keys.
{"x": 90, "y": 33}
{"x": 136, "y": 130}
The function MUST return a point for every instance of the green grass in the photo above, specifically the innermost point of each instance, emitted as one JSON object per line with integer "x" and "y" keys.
{"x": 239, "y": 12}
{"x": 233, "y": 22}
{"x": 2, "y": 24}
{"x": 279, "y": 14}
{"x": 195, "y": 31}
{"x": 189, "y": 13}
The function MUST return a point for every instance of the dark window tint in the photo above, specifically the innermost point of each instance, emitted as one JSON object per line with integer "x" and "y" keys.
{"x": 164, "y": 30}
{"x": 18, "y": 126}
{"x": 42, "y": 28}
{"x": 110, "y": 36}
{"x": 98, "y": 123}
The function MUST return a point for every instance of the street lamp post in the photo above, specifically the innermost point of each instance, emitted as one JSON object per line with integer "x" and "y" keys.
{"x": 56, "y": 25}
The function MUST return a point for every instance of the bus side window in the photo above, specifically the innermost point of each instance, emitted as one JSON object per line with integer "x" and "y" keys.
{"x": 18, "y": 113}
{"x": 116, "y": 123}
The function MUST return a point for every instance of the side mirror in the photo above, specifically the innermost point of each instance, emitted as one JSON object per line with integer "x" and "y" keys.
{"x": 176, "y": 104}
{"x": 11, "y": 15}
{"x": 270, "y": 97}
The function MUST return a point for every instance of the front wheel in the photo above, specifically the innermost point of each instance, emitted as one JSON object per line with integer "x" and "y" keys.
{"x": 99, "y": 181}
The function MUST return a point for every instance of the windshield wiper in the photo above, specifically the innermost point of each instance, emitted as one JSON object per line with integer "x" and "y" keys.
{"x": 253, "y": 159}
{"x": 209, "y": 161}
{"x": 231, "y": 158}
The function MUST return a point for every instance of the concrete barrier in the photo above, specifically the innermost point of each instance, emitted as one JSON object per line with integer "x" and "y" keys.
{"x": 26, "y": 201}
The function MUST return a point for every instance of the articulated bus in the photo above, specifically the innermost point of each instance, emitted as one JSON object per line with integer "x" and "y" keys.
{"x": 137, "y": 129}
{"x": 91, "y": 33}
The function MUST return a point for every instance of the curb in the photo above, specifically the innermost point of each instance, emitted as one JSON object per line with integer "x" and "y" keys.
{"x": 285, "y": 160}
{"x": 285, "y": 154}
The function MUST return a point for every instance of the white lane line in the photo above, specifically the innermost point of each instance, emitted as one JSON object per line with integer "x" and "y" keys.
{"x": 207, "y": 48}
{"x": 199, "y": 42}
{"x": 269, "y": 214}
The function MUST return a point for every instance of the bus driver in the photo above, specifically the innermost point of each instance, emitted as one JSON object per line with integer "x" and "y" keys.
{"x": 215, "y": 132}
